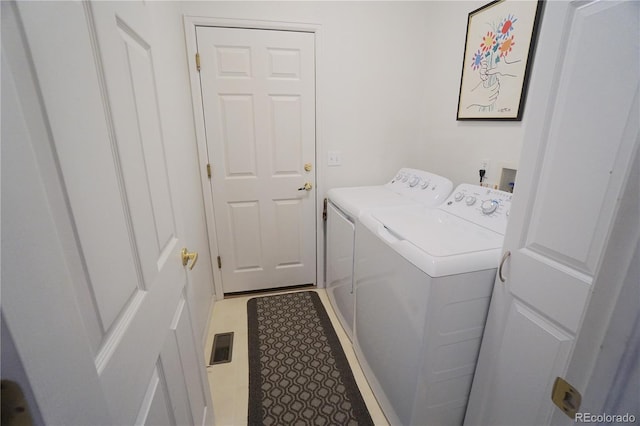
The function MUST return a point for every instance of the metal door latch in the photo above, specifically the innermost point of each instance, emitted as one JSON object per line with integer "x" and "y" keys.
{"x": 566, "y": 397}
{"x": 15, "y": 410}
{"x": 306, "y": 187}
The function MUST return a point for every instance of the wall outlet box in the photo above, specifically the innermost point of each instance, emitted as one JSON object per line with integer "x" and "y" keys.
{"x": 508, "y": 179}
{"x": 484, "y": 164}
{"x": 335, "y": 159}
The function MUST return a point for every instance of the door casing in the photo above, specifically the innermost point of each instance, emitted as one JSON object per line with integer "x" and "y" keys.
{"x": 190, "y": 24}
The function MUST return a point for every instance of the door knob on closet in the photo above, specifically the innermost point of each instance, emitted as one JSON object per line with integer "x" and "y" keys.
{"x": 504, "y": 259}
{"x": 307, "y": 187}
{"x": 186, "y": 257}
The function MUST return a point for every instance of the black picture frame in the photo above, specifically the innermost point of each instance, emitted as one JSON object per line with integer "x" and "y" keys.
{"x": 498, "y": 54}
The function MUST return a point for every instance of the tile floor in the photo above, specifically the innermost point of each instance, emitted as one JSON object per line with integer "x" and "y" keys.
{"x": 230, "y": 382}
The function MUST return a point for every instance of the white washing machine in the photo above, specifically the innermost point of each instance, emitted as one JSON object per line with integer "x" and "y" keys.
{"x": 408, "y": 187}
{"x": 423, "y": 280}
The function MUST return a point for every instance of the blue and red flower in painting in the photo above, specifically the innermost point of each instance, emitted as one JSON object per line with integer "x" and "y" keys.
{"x": 477, "y": 60}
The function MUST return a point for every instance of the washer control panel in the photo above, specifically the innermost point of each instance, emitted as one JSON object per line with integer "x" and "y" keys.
{"x": 484, "y": 206}
{"x": 421, "y": 186}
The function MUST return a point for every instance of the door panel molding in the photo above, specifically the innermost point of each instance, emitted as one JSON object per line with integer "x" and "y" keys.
{"x": 591, "y": 183}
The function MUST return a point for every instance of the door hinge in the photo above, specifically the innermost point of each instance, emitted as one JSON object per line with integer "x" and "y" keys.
{"x": 219, "y": 262}
{"x": 209, "y": 171}
{"x": 324, "y": 210}
{"x": 198, "y": 61}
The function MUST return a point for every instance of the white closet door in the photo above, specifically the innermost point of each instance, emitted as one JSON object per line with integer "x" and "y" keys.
{"x": 582, "y": 132}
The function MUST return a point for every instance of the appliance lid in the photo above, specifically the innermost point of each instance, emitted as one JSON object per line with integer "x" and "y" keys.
{"x": 437, "y": 232}
{"x": 354, "y": 200}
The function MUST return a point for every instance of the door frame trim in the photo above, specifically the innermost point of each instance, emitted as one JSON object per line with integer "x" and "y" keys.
{"x": 190, "y": 24}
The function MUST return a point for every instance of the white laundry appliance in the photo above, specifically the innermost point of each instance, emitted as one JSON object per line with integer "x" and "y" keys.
{"x": 408, "y": 187}
{"x": 423, "y": 280}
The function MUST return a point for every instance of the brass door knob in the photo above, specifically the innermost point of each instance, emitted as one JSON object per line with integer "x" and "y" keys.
{"x": 189, "y": 256}
{"x": 306, "y": 187}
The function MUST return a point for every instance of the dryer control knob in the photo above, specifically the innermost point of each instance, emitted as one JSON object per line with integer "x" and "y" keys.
{"x": 414, "y": 181}
{"x": 405, "y": 178}
{"x": 459, "y": 196}
{"x": 470, "y": 200}
{"x": 489, "y": 206}
{"x": 425, "y": 184}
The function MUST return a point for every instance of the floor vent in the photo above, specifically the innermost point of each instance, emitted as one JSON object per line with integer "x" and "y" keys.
{"x": 222, "y": 348}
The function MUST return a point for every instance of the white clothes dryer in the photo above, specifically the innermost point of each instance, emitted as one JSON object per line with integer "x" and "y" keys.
{"x": 423, "y": 280}
{"x": 344, "y": 205}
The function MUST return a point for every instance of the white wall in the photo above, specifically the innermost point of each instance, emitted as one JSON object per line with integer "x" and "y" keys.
{"x": 388, "y": 87}
{"x": 369, "y": 62}
{"x": 446, "y": 146}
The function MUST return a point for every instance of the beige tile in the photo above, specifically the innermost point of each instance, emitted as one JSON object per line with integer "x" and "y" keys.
{"x": 225, "y": 375}
{"x": 241, "y": 405}
{"x": 224, "y": 399}
{"x": 230, "y": 382}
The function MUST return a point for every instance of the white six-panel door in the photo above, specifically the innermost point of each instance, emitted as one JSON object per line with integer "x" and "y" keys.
{"x": 581, "y": 136}
{"x": 258, "y": 93}
{"x": 118, "y": 222}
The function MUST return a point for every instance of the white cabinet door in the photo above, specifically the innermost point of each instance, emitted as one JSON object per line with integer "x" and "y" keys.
{"x": 582, "y": 132}
{"x": 110, "y": 194}
{"x": 258, "y": 93}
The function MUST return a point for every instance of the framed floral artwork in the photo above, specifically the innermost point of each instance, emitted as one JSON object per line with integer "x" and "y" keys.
{"x": 498, "y": 53}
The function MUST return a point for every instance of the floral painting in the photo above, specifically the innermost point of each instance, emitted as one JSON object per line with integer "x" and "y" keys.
{"x": 497, "y": 58}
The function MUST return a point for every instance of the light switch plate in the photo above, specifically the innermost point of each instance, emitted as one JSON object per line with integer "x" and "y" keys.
{"x": 335, "y": 159}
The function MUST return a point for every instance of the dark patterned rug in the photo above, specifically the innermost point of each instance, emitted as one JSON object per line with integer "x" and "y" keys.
{"x": 298, "y": 372}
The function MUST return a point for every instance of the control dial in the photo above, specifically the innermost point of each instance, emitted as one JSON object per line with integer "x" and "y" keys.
{"x": 414, "y": 181}
{"x": 425, "y": 184}
{"x": 459, "y": 196}
{"x": 489, "y": 206}
{"x": 470, "y": 200}
{"x": 405, "y": 178}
